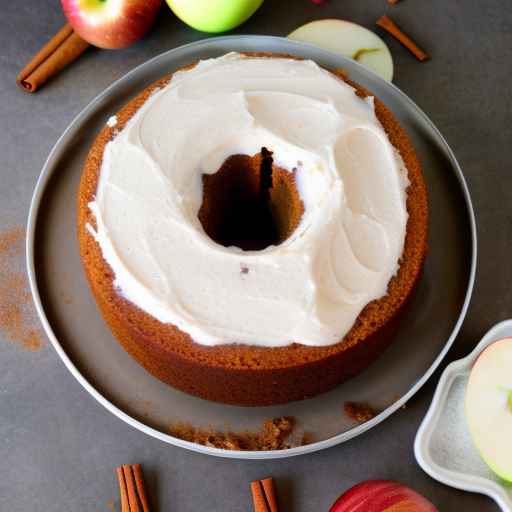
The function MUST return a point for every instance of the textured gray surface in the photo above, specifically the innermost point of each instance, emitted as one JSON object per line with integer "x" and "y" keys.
{"x": 58, "y": 446}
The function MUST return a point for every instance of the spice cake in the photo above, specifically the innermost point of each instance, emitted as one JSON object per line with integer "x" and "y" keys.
{"x": 251, "y": 226}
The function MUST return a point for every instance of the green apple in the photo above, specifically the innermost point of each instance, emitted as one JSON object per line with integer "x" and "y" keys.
{"x": 350, "y": 40}
{"x": 214, "y": 15}
{"x": 489, "y": 406}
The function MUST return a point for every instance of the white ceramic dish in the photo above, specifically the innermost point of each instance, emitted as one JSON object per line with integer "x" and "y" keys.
{"x": 443, "y": 446}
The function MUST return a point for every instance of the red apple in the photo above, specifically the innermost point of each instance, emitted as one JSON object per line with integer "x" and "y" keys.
{"x": 111, "y": 23}
{"x": 381, "y": 496}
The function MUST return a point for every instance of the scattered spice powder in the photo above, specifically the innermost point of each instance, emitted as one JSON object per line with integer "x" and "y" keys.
{"x": 146, "y": 408}
{"x": 10, "y": 241}
{"x": 274, "y": 435}
{"x": 359, "y": 411}
{"x": 17, "y": 317}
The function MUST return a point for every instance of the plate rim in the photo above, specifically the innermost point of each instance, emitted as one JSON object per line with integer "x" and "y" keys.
{"x": 47, "y": 171}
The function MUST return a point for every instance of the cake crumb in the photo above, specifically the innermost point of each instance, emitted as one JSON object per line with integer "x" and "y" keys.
{"x": 307, "y": 438}
{"x": 244, "y": 269}
{"x": 359, "y": 411}
{"x": 274, "y": 434}
{"x": 396, "y": 399}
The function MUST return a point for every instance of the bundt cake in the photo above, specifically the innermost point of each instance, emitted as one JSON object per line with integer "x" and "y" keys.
{"x": 251, "y": 226}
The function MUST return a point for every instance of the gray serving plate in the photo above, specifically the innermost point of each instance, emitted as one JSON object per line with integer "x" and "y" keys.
{"x": 84, "y": 343}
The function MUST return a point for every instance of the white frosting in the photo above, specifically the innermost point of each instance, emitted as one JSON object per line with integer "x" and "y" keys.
{"x": 310, "y": 288}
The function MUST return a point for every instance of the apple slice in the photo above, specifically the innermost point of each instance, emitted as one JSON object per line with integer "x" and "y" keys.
{"x": 381, "y": 496}
{"x": 489, "y": 406}
{"x": 351, "y": 40}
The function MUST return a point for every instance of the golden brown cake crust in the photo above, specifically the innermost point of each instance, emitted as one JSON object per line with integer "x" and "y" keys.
{"x": 243, "y": 374}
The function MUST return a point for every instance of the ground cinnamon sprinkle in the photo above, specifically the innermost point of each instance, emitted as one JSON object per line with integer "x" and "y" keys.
{"x": 17, "y": 318}
{"x": 360, "y": 412}
{"x": 274, "y": 435}
{"x": 10, "y": 241}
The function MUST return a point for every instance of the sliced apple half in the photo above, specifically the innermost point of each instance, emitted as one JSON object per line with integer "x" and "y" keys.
{"x": 351, "y": 40}
{"x": 489, "y": 406}
{"x": 381, "y": 496}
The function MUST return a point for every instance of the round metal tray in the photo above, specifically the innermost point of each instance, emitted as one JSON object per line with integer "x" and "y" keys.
{"x": 84, "y": 343}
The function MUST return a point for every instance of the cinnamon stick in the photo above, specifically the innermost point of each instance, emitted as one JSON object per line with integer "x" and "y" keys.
{"x": 389, "y": 26}
{"x": 131, "y": 489}
{"x": 139, "y": 482}
{"x": 62, "y": 49}
{"x": 125, "y": 506}
{"x": 263, "y": 495}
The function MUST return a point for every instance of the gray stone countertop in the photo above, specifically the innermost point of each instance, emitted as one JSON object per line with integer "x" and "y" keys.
{"x": 58, "y": 446}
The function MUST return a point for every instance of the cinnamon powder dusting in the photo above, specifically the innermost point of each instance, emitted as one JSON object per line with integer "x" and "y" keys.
{"x": 17, "y": 319}
{"x": 275, "y": 434}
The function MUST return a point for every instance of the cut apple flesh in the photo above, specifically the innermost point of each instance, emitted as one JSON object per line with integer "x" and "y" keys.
{"x": 489, "y": 406}
{"x": 350, "y": 40}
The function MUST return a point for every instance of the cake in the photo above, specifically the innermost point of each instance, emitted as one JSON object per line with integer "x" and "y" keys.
{"x": 252, "y": 226}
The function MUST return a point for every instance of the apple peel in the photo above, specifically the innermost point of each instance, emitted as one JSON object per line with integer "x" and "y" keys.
{"x": 381, "y": 496}
{"x": 111, "y": 24}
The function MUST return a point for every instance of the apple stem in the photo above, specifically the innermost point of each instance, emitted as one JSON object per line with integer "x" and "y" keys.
{"x": 357, "y": 55}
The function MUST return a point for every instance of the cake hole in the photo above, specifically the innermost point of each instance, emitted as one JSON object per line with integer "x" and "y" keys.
{"x": 250, "y": 203}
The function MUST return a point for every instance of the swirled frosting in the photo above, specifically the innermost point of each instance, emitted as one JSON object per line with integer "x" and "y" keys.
{"x": 310, "y": 288}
